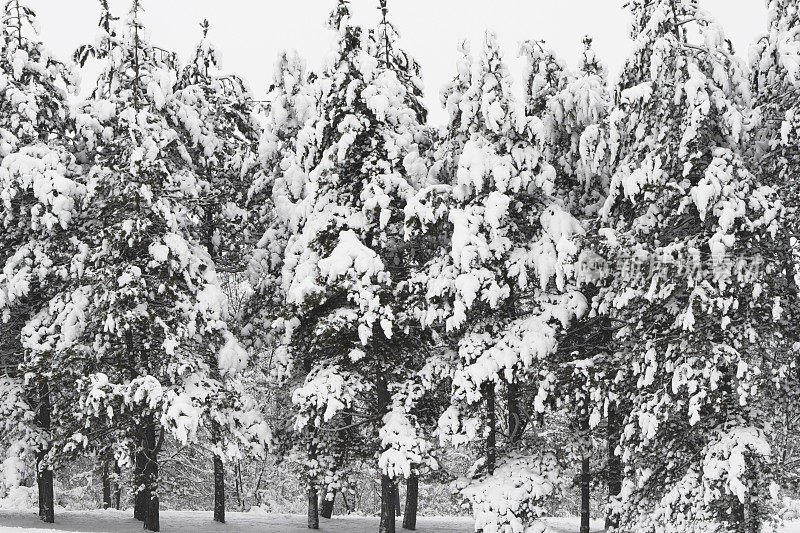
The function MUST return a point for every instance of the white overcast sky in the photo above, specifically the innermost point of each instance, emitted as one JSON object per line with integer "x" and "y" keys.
{"x": 250, "y": 33}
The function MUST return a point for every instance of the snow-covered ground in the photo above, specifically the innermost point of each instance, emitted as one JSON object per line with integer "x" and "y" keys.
{"x": 200, "y": 522}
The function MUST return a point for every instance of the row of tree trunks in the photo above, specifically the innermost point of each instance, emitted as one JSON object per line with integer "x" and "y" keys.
{"x": 409, "y": 515}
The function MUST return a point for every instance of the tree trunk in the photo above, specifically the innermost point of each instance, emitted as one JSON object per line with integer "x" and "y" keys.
{"x": 397, "y": 511}
{"x": 313, "y": 498}
{"x": 491, "y": 423}
{"x": 586, "y": 501}
{"x": 139, "y": 484}
{"x": 313, "y": 509}
{"x": 117, "y": 485}
{"x": 326, "y": 509}
{"x": 237, "y": 485}
{"x": 516, "y": 418}
{"x": 752, "y": 516}
{"x": 44, "y": 474}
{"x": 614, "y": 465}
{"x": 388, "y": 489}
{"x": 737, "y": 517}
{"x": 219, "y": 490}
{"x": 151, "y": 518}
{"x": 412, "y": 502}
{"x": 106, "y": 484}
{"x": 348, "y": 507}
{"x": 140, "y": 499}
{"x": 44, "y": 480}
{"x": 586, "y": 475}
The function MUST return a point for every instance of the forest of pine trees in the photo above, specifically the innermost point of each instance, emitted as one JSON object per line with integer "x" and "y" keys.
{"x": 586, "y": 291}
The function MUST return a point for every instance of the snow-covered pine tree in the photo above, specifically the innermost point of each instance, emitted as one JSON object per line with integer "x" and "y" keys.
{"x": 39, "y": 194}
{"x": 575, "y": 108}
{"x": 775, "y": 74}
{"x": 212, "y": 113}
{"x": 574, "y": 139}
{"x": 144, "y": 326}
{"x": 408, "y": 428}
{"x": 545, "y": 75}
{"x": 775, "y": 158}
{"x": 346, "y": 323}
{"x": 685, "y": 230}
{"x": 288, "y": 151}
{"x": 499, "y": 289}
{"x": 450, "y": 140}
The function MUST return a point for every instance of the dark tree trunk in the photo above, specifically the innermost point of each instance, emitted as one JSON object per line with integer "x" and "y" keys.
{"x": 491, "y": 423}
{"x": 614, "y": 464}
{"x": 586, "y": 479}
{"x": 313, "y": 498}
{"x": 44, "y": 479}
{"x": 237, "y": 485}
{"x": 326, "y": 508}
{"x": 586, "y": 475}
{"x": 738, "y": 517}
{"x": 219, "y": 490}
{"x": 412, "y": 503}
{"x": 117, "y": 485}
{"x": 139, "y": 484}
{"x": 139, "y": 499}
{"x": 44, "y": 474}
{"x": 585, "y": 494}
{"x": 313, "y": 509}
{"x": 744, "y": 516}
{"x": 388, "y": 489}
{"x": 151, "y": 518}
{"x": 517, "y": 421}
{"x": 106, "y": 484}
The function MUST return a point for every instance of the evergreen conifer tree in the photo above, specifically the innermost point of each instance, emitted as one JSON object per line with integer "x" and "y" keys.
{"x": 686, "y": 227}
{"x": 40, "y": 190}
{"x": 347, "y": 325}
{"x": 499, "y": 289}
{"x": 212, "y": 113}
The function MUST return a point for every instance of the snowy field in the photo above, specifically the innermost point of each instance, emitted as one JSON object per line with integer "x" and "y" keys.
{"x": 200, "y": 522}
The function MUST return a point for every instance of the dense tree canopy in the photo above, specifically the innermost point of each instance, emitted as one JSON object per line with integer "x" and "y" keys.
{"x": 590, "y": 283}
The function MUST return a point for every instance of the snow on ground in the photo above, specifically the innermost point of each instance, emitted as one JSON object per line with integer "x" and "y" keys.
{"x": 200, "y": 522}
